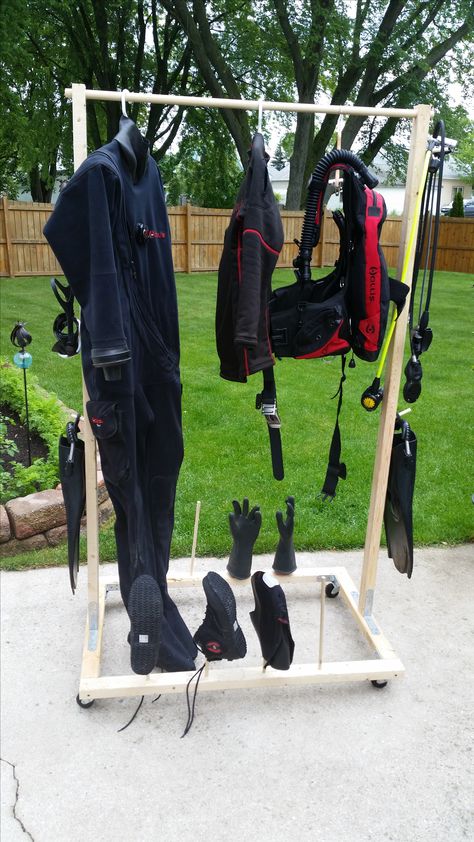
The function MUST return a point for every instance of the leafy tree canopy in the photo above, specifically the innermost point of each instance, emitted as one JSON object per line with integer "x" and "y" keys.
{"x": 367, "y": 53}
{"x": 205, "y": 169}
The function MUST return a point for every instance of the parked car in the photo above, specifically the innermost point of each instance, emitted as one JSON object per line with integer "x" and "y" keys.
{"x": 468, "y": 208}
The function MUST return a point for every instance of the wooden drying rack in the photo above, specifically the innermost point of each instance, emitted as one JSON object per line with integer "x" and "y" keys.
{"x": 333, "y": 580}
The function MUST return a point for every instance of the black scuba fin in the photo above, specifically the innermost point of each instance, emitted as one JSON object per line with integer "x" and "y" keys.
{"x": 398, "y": 515}
{"x": 72, "y": 476}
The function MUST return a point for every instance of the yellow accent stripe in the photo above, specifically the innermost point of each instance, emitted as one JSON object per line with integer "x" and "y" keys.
{"x": 406, "y": 260}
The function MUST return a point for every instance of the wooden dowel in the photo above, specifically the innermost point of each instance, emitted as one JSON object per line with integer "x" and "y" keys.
{"x": 195, "y": 537}
{"x": 189, "y": 243}
{"x": 79, "y": 121}
{"x": 247, "y": 104}
{"x": 393, "y": 371}
{"x": 321, "y": 623}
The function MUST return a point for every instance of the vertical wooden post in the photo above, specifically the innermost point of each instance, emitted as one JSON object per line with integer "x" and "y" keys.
{"x": 79, "y": 122}
{"x": 189, "y": 254}
{"x": 419, "y": 137}
{"x": 8, "y": 241}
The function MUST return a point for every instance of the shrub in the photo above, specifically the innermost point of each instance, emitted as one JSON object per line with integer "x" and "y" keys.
{"x": 47, "y": 417}
{"x": 458, "y": 205}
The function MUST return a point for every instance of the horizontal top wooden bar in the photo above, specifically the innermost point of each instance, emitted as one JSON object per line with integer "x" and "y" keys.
{"x": 247, "y": 104}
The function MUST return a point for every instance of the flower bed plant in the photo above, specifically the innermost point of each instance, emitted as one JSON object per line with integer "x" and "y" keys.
{"x": 47, "y": 418}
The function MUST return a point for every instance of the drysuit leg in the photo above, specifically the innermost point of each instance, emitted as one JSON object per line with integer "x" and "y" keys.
{"x": 163, "y": 457}
{"x": 140, "y": 443}
{"x": 113, "y": 423}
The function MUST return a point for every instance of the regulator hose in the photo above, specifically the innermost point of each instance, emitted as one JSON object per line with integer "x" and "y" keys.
{"x": 336, "y": 159}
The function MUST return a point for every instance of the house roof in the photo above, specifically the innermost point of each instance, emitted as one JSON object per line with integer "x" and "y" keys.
{"x": 279, "y": 175}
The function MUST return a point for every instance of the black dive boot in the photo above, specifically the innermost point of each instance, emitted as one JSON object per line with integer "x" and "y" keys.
{"x": 145, "y": 609}
{"x": 220, "y": 637}
{"x": 270, "y": 621}
{"x": 73, "y": 484}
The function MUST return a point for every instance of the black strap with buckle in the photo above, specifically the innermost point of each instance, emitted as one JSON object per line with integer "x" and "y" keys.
{"x": 267, "y": 404}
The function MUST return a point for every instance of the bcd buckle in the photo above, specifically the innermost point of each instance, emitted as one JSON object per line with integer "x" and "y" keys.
{"x": 268, "y": 408}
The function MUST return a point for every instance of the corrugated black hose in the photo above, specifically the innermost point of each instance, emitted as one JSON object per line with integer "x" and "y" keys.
{"x": 316, "y": 189}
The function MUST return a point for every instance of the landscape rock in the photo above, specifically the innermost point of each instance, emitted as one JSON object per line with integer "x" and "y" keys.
{"x": 56, "y": 536}
{"x": 102, "y": 493}
{"x": 106, "y": 511}
{"x": 15, "y": 546}
{"x": 36, "y": 513}
{"x": 5, "y": 531}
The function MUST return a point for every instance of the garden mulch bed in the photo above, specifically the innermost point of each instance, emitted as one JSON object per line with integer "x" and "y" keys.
{"x": 17, "y": 432}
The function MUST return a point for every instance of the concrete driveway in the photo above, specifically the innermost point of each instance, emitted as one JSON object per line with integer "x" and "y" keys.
{"x": 339, "y": 763}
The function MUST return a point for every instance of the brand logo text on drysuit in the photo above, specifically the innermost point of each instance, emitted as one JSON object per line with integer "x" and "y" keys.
{"x": 154, "y": 235}
{"x": 373, "y": 272}
{"x": 143, "y": 233}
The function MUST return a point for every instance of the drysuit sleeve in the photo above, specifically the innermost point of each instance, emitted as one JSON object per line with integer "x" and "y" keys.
{"x": 250, "y": 270}
{"x": 80, "y": 232}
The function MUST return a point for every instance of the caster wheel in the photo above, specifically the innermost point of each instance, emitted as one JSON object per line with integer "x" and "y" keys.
{"x": 83, "y": 704}
{"x": 379, "y": 684}
{"x": 332, "y": 590}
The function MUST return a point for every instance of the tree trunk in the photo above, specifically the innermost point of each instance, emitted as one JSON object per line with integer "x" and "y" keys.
{"x": 35, "y": 184}
{"x": 296, "y": 184}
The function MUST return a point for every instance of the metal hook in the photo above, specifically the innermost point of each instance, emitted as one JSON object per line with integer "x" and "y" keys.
{"x": 337, "y": 176}
{"x": 123, "y": 102}
{"x": 260, "y": 115}
{"x": 339, "y": 128}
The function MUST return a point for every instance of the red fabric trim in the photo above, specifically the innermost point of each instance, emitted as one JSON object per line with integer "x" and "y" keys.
{"x": 239, "y": 257}
{"x": 254, "y": 231}
{"x": 335, "y": 345}
{"x": 370, "y": 326}
{"x": 317, "y": 218}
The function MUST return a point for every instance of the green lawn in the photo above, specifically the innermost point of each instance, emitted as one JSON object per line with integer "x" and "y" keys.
{"x": 226, "y": 442}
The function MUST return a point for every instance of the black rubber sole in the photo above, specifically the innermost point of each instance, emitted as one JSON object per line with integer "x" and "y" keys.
{"x": 145, "y": 609}
{"x": 222, "y": 601}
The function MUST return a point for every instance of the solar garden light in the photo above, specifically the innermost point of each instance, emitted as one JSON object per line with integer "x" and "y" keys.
{"x": 20, "y": 338}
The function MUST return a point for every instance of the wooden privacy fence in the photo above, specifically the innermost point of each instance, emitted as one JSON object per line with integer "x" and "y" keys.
{"x": 197, "y": 236}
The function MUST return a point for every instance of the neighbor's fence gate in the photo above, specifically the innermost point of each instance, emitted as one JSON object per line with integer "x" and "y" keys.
{"x": 198, "y": 234}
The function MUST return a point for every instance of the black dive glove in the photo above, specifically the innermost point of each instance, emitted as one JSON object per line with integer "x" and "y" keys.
{"x": 244, "y": 526}
{"x": 285, "y": 561}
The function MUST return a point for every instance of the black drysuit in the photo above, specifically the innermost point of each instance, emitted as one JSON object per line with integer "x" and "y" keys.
{"x": 123, "y": 279}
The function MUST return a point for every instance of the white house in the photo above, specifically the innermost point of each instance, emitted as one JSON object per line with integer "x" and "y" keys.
{"x": 394, "y": 194}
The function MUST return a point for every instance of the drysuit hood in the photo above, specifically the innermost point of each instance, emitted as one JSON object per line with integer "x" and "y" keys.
{"x": 134, "y": 146}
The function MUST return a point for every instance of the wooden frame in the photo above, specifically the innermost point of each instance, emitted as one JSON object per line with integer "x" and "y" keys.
{"x": 386, "y": 665}
{"x": 360, "y": 602}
